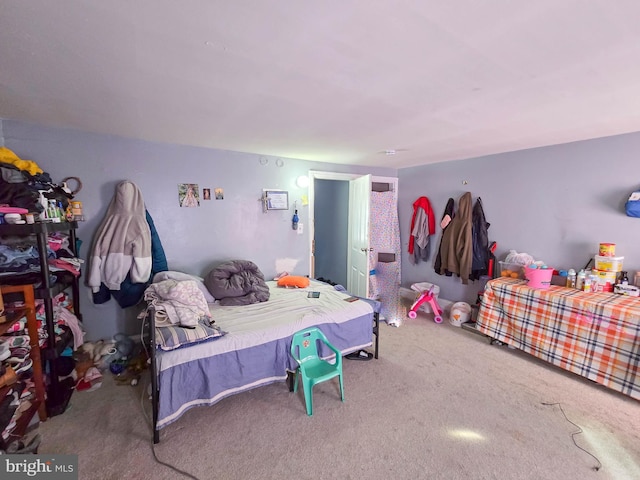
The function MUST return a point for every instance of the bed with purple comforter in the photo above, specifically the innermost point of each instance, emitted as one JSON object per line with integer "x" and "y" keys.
{"x": 255, "y": 350}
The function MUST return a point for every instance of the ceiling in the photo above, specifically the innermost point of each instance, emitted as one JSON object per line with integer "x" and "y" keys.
{"x": 337, "y": 81}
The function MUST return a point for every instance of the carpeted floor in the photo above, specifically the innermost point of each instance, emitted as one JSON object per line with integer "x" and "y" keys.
{"x": 439, "y": 403}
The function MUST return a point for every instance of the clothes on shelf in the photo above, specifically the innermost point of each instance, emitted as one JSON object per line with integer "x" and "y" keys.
{"x": 19, "y": 257}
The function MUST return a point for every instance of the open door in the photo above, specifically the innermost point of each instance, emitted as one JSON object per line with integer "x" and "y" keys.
{"x": 358, "y": 241}
{"x": 366, "y": 212}
{"x": 358, "y": 225}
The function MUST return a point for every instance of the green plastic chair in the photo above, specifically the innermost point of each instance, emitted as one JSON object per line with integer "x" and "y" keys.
{"x": 312, "y": 368}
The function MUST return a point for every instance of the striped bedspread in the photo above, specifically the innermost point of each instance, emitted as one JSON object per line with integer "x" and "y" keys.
{"x": 595, "y": 335}
{"x": 256, "y": 348}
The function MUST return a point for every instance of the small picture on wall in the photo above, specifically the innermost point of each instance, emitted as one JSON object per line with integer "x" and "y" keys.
{"x": 206, "y": 194}
{"x": 188, "y": 195}
{"x": 219, "y": 194}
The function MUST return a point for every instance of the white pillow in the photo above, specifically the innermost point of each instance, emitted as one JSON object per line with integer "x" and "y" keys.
{"x": 180, "y": 277}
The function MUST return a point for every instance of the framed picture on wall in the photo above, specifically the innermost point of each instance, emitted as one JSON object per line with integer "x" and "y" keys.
{"x": 188, "y": 195}
{"x": 276, "y": 199}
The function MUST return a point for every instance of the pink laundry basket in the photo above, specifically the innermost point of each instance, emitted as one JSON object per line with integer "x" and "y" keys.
{"x": 538, "y": 277}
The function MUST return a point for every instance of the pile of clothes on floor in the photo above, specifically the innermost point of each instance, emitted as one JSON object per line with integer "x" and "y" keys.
{"x": 123, "y": 357}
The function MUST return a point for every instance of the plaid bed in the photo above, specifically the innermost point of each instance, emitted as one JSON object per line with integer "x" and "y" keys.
{"x": 596, "y": 335}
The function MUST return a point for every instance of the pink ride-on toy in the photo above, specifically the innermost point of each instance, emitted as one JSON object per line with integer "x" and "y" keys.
{"x": 429, "y": 298}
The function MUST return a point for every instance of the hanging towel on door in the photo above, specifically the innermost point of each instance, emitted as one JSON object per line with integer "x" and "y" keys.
{"x": 423, "y": 225}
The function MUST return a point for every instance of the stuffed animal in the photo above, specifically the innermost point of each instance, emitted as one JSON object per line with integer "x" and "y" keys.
{"x": 103, "y": 353}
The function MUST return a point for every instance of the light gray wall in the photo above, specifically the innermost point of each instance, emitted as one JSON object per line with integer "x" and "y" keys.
{"x": 555, "y": 203}
{"x": 331, "y": 216}
{"x": 194, "y": 239}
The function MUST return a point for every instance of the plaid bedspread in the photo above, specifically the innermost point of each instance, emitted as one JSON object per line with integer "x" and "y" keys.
{"x": 596, "y": 335}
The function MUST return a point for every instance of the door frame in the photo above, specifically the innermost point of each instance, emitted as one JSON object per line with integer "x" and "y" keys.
{"x": 321, "y": 175}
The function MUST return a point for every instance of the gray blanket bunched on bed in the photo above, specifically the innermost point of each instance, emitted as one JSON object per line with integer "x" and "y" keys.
{"x": 237, "y": 282}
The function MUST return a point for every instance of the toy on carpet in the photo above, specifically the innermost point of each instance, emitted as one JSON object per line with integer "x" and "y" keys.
{"x": 124, "y": 358}
{"x": 427, "y": 297}
{"x": 130, "y": 375}
{"x": 100, "y": 352}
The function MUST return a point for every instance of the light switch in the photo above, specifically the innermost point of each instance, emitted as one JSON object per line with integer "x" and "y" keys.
{"x": 300, "y": 229}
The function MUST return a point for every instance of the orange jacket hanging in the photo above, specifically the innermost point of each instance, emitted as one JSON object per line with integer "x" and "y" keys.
{"x": 424, "y": 220}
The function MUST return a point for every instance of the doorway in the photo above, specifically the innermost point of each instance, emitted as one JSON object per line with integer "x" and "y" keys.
{"x": 339, "y": 222}
{"x": 331, "y": 223}
{"x": 356, "y": 211}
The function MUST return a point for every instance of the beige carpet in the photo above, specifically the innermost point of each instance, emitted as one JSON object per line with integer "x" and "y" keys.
{"x": 440, "y": 403}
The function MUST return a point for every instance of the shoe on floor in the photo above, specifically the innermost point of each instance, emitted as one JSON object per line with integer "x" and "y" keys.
{"x": 18, "y": 355}
{"x": 19, "y": 326}
{"x": 16, "y": 341}
{"x": 4, "y": 353}
{"x": 360, "y": 355}
{"x": 25, "y": 445}
{"x": 24, "y": 366}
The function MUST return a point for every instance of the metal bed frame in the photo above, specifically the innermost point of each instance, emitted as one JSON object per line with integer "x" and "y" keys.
{"x": 155, "y": 391}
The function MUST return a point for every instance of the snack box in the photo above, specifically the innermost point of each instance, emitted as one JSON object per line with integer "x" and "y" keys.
{"x": 512, "y": 270}
{"x": 630, "y": 290}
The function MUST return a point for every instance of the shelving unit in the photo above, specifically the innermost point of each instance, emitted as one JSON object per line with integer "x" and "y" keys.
{"x": 13, "y": 315}
{"x": 58, "y": 393}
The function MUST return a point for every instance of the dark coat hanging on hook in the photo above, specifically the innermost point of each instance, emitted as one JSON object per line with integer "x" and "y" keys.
{"x": 447, "y": 216}
{"x": 457, "y": 243}
{"x": 480, "y": 235}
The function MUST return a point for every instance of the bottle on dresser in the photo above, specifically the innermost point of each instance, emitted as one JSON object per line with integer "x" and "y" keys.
{"x": 623, "y": 279}
{"x": 595, "y": 282}
{"x": 580, "y": 279}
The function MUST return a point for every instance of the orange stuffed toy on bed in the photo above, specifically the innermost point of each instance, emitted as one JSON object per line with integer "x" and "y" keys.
{"x": 293, "y": 281}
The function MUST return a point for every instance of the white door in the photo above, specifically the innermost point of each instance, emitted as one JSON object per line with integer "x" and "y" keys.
{"x": 358, "y": 241}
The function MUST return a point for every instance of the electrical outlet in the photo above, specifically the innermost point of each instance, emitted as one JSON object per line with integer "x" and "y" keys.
{"x": 300, "y": 229}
